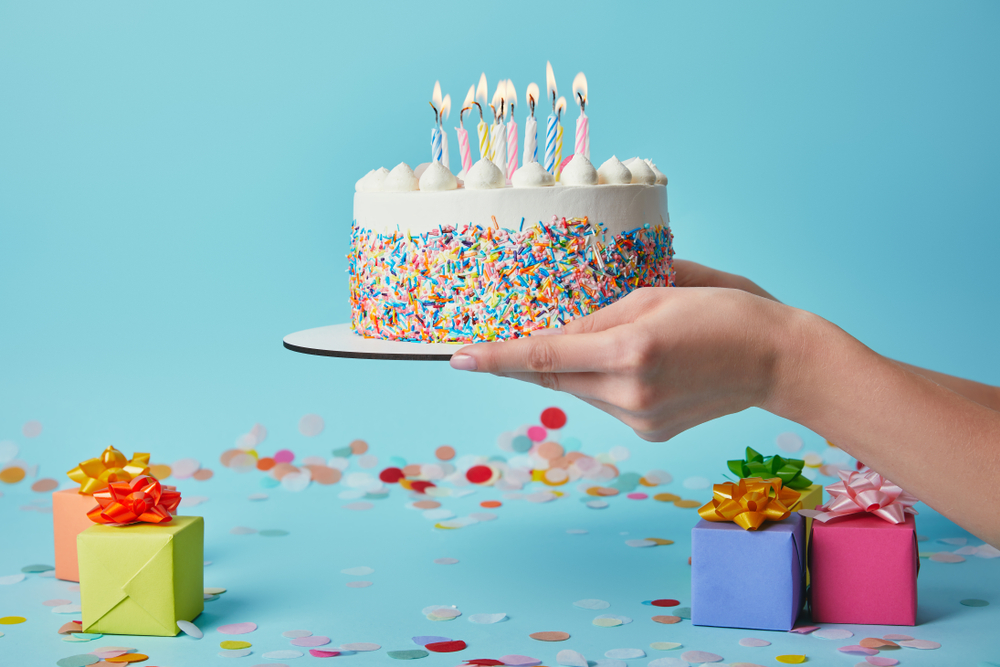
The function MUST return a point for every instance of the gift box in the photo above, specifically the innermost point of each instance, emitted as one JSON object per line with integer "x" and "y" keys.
{"x": 142, "y": 578}
{"x": 69, "y": 519}
{"x": 748, "y": 579}
{"x": 70, "y": 506}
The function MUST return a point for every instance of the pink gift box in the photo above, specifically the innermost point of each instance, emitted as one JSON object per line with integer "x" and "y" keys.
{"x": 864, "y": 571}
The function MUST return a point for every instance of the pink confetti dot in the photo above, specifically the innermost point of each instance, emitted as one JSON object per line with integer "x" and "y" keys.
{"x": 754, "y": 642}
{"x": 920, "y": 643}
{"x": 32, "y": 429}
{"x": 237, "y": 628}
{"x": 283, "y": 456}
{"x": 319, "y": 653}
{"x": 311, "y": 425}
{"x": 537, "y": 433}
{"x": 315, "y": 640}
{"x": 637, "y": 496}
{"x": 56, "y": 603}
{"x": 879, "y": 661}
{"x": 696, "y": 657}
{"x": 857, "y": 650}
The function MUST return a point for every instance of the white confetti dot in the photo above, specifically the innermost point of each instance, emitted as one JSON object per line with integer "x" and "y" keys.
{"x": 788, "y": 442}
{"x": 190, "y": 629}
{"x": 32, "y": 429}
{"x": 311, "y": 425}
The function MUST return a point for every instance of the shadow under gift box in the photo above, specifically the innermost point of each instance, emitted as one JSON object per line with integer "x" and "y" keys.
{"x": 142, "y": 578}
{"x": 69, "y": 519}
{"x": 752, "y": 579}
{"x": 864, "y": 571}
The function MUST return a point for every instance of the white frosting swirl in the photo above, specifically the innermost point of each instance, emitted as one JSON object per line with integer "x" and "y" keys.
{"x": 484, "y": 175}
{"x": 641, "y": 173}
{"x": 613, "y": 172}
{"x": 419, "y": 170}
{"x": 661, "y": 178}
{"x": 372, "y": 181}
{"x": 438, "y": 177}
{"x": 579, "y": 171}
{"x": 400, "y": 179}
{"x": 532, "y": 175}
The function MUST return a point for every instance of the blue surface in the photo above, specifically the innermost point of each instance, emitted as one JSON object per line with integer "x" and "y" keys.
{"x": 175, "y": 197}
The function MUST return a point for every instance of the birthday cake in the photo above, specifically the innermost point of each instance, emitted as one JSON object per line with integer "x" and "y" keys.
{"x": 499, "y": 252}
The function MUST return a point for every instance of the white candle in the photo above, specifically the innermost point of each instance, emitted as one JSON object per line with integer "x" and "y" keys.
{"x": 531, "y": 127}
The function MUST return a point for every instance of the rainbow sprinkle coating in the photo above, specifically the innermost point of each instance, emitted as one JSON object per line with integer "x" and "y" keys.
{"x": 474, "y": 284}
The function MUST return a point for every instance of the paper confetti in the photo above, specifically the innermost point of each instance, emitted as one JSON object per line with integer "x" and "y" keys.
{"x": 667, "y": 619}
{"x": 571, "y": 658}
{"x": 624, "y": 653}
{"x": 312, "y": 640}
{"x": 237, "y": 628}
{"x": 697, "y": 657}
{"x": 833, "y": 633}
{"x": 664, "y": 646}
{"x": 791, "y": 659}
{"x": 360, "y": 647}
{"x": 286, "y": 654}
{"x": 922, "y": 644}
{"x": 190, "y": 629}
{"x": 753, "y": 642}
{"x": 550, "y": 636}
{"x": 238, "y": 653}
{"x": 973, "y": 602}
{"x": 412, "y": 654}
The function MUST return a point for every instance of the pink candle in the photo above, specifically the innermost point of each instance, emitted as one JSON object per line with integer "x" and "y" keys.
{"x": 582, "y": 124}
{"x": 581, "y": 135}
{"x": 463, "y": 148}
{"x": 511, "y": 148}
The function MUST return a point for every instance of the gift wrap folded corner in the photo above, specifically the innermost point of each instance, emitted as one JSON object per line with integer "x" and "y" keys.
{"x": 140, "y": 579}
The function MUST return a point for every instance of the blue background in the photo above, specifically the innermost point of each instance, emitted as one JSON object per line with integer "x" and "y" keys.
{"x": 176, "y": 183}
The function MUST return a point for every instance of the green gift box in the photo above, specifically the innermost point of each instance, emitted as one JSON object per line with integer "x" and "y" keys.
{"x": 142, "y": 578}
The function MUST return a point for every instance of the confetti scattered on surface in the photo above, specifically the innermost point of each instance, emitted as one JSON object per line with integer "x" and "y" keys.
{"x": 312, "y": 640}
{"x": 922, "y": 644}
{"x": 973, "y": 602}
{"x": 412, "y": 654}
{"x": 294, "y": 634}
{"x": 571, "y": 658}
{"x": 359, "y": 584}
{"x": 856, "y": 649}
{"x": 665, "y": 603}
{"x": 664, "y": 646}
{"x": 10, "y": 579}
{"x": 832, "y": 633}
{"x": 697, "y": 657}
{"x": 235, "y": 653}
{"x": 874, "y": 642}
{"x": 791, "y": 659}
{"x": 285, "y": 654}
{"x": 129, "y": 658}
{"x": 361, "y": 647}
{"x": 550, "y": 636}
{"x": 879, "y": 661}
{"x": 624, "y": 653}
{"x": 668, "y": 620}
{"x": 237, "y": 628}
{"x": 754, "y": 642}
{"x": 81, "y": 660}
{"x": 190, "y": 629}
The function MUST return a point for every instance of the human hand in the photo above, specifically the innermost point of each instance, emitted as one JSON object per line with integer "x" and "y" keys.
{"x": 692, "y": 274}
{"x": 661, "y": 360}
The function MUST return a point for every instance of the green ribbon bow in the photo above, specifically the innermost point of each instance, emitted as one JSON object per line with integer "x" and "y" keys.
{"x": 789, "y": 471}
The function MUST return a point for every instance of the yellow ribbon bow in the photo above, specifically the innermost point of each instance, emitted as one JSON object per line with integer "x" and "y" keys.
{"x": 750, "y": 502}
{"x": 112, "y": 466}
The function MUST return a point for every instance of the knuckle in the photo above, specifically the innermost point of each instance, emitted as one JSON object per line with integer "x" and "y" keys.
{"x": 639, "y": 398}
{"x": 549, "y": 380}
{"x": 637, "y": 354}
{"x": 541, "y": 357}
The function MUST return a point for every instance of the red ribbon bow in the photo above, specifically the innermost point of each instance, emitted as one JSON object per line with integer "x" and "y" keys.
{"x": 142, "y": 499}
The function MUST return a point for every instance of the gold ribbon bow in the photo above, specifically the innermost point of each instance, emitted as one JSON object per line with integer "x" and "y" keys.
{"x": 112, "y": 466}
{"x": 750, "y": 502}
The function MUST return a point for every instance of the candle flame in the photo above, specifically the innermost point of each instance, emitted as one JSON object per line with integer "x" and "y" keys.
{"x": 550, "y": 84}
{"x": 560, "y": 106}
{"x": 580, "y": 89}
{"x": 445, "y": 108}
{"x": 436, "y": 95}
{"x": 482, "y": 91}
{"x": 470, "y": 97}
{"x": 532, "y": 94}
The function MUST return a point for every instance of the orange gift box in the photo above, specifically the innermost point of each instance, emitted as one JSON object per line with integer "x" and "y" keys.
{"x": 69, "y": 519}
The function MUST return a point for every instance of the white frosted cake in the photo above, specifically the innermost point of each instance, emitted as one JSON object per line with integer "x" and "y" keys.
{"x": 436, "y": 259}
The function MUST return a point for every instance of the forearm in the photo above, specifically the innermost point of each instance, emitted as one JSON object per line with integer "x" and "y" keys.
{"x": 983, "y": 394}
{"x": 938, "y": 445}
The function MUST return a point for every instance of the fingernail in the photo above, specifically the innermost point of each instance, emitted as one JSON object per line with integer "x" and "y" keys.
{"x": 463, "y": 362}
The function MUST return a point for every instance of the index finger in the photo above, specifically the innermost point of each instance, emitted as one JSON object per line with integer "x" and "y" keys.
{"x": 568, "y": 353}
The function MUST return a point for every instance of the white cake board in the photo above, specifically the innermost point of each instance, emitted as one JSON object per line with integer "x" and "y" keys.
{"x": 338, "y": 340}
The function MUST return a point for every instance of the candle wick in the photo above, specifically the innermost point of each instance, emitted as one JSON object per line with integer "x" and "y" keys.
{"x": 583, "y": 101}
{"x": 531, "y": 103}
{"x": 512, "y": 111}
{"x": 437, "y": 116}
{"x": 480, "y": 111}
{"x": 554, "y": 101}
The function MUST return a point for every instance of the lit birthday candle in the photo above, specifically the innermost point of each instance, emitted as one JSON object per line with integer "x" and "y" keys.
{"x": 498, "y": 134}
{"x": 436, "y": 130}
{"x": 560, "y": 109}
{"x": 511, "y": 131}
{"x": 463, "y": 135}
{"x": 484, "y": 137}
{"x": 551, "y": 161}
{"x": 531, "y": 127}
{"x": 582, "y": 124}
{"x": 445, "y": 112}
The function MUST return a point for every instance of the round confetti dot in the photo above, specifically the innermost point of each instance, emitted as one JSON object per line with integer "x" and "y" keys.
{"x": 549, "y": 450}
{"x": 753, "y": 642}
{"x": 266, "y": 463}
{"x": 873, "y": 642}
{"x": 12, "y": 620}
{"x": 687, "y": 504}
{"x": 855, "y": 649}
{"x": 11, "y": 475}
{"x": 234, "y": 645}
{"x": 698, "y": 657}
{"x": 286, "y": 654}
{"x": 37, "y": 569}
{"x": 791, "y": 659}
{"x": 32, "y": 429}
{"x": 550, "y": 636}
{"x": 788, "y": 442}
{"x": 325, "y": 475}
{"x": 81, "y": 660}
{"x": 487, "y": 619}
{"x": 311, "y": 425}
{"x": 445, "y": 453}
{"x": 973, "y": 602}
{"x": 391, "y": 475}
{"x": 190, "y": 629}
{"x": 946, "y": 557}
{"x": 8, "y": 451}
{"x": 284, "y": 456}
{"x": 553, "y": 418}
{"x": 203, "y": 475}
{"x": 597, "y": 504}
{"x": 833, "y": 633}
{"x": 56, "y": 603}
{"x": 666, "y": 497}
{"x": 358, "y": 447}
{"x": 426, "y": 504}
{"x": 897, "y": 637}
{"x": 536, "y": 433}
{"x": 242, "y": 530}
{"x": 665, "y": 603}
{"x": 237, "y": 628}
{"x": 879, "y": 661}
{"x": 323, "y": 653}
{"x": 44, "y": 485}
{"x": 637, "y": 496}
{"x": 490, "y": 504}
{"x": 479, "y": 474}
{"x": 521, "y": 444}
{"x": 129, "y": 657}
{"x": 413, "y": 654}
{"x": 922, "y": 644}
{"x": 664, "y": 646}
{"x": 361, "y": 647}
{"x": 295, "y": 634}
{"x": 161, "y": 471}
{"x": 312, "y": 640}
{"x": 446, "y": 647}
{"x": 669, "y": 620}
{"x": 624, "y": 653}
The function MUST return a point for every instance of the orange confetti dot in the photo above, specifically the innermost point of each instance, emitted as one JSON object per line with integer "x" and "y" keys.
{"x": 129, "y": 657}
{"x": 359, "y": 447}
{"x": 324, "y": 475}
{"x": 873, "y": 642}
{"x": 687, "y": 504}
{"x": 490, "y": 503}
{"x": 666, "y": 497}
{"x": 660, "y": 541}
{"x": 43, "y": 485}
{"x": 412, "y": 470}
{"x": 645, "y": 482}
{"x": 265, "y": 463}
{"x": 162, "y": 471}
{"x": 445, "y": 453}
{"x": 203, "y": 474}
{"x": 551, "y": 636}
{"x": 550, "y": 450}
{"x": 426, "y": 504}
{"x": 607, "y": 491}
{"x": 11, "y": 475}
{"x": 281, "y": 469}
{"x": 225, "y": 457}
{"x": 667, "y": 619}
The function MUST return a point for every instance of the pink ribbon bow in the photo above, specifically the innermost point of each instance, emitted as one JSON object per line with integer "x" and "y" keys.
{"x": 864, "y": 491}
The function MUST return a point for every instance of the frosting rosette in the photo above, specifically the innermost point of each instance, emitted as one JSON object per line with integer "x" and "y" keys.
{"x": 864, "y": 491}
{"x": 750, "y": 502}
{"x": 142, "y": 499}
{"x": 111, "y": 466}
{"x": 789, "y": 471}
